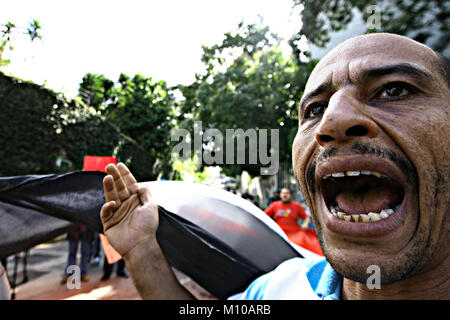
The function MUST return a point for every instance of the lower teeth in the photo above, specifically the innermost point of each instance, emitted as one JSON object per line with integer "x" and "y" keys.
{"x": 370, "y": 217}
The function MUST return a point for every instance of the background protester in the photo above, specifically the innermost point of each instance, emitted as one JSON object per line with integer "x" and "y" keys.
{"x": 275, "y": 197}
{"x": 76, "y": 235}
{"x": 292, "y": 218}
{"x": 108, "y": 269}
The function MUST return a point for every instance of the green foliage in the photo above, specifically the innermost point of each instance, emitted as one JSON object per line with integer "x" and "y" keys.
{"x": 41, "y": 125}
{"x": 141, "y": 110}
{"x": 91, "y": 135}
{"x": 33, "y": 30}
{"x": 420, "y": 19}
{"x": 28, "y": 131}
{"x": 188, "y": 171}
{"x": 96, "y": 91}
{"x": 248, "y": 84}
{"x": 6, "y": 36}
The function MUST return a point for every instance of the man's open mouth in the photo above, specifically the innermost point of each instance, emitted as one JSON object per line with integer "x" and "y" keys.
{"x": 361, "y": 195}
{"x": 361, "y": 190}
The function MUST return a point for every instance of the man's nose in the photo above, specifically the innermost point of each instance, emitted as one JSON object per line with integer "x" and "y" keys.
{"x": 344, "y": 121}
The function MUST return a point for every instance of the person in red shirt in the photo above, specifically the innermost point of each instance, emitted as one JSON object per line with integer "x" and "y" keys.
{"x": 286, "y": 214}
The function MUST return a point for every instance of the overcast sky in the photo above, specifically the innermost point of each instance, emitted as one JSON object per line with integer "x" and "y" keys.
{"x": 159, "y": 39}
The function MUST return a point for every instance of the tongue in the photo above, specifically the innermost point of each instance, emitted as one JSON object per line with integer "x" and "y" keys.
{"x": 374, "y": 200}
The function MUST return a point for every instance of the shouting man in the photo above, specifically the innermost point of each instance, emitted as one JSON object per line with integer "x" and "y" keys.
{"x": 372, "y": 159}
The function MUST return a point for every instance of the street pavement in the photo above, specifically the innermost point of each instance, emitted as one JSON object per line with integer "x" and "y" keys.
{"x": 45, "y": 267}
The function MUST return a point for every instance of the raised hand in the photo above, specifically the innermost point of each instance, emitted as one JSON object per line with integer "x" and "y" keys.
{"x": 129, "y": 215}
{"x": 130, "y": 221}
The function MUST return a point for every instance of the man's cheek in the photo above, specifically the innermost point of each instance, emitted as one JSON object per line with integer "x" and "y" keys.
{"x": 299, "y": 166}
{"x": 302, "y": 156}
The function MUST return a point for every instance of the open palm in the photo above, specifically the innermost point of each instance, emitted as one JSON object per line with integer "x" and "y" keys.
{"x": 129, "y": 215}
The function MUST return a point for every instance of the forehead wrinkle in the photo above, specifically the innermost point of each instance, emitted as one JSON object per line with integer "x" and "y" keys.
{"x": 347, "y": 80}
{"x": 338, "y": 76}
{"x": 328, "y": 84}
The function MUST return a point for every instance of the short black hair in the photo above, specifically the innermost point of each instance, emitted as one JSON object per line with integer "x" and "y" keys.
{"x": 246, "y": 195}
{"x": 444, "y": 66}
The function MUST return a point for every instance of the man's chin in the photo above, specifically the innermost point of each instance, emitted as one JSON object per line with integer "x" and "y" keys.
{"x": 395, "y": 245}
{"x": 358, "y": 263}
{"x": 390, "y": 271}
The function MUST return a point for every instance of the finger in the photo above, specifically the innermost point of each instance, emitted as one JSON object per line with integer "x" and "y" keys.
{"x": 125, "y": 210}
{"x": 107, "y": 211}
{"x": 128, "y": 178}
{"x": 110, "y": 190}
{"x": 121, "y": 188}
{"x": 145, "y": 195}
{"x": 109, "y": 165}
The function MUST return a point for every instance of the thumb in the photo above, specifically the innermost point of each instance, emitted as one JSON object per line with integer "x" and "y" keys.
{"x": 145, "y": 195}
{"x": 107, "y": 211}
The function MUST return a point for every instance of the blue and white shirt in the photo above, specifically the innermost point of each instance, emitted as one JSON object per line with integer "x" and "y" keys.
{"x": 296, "y": 279}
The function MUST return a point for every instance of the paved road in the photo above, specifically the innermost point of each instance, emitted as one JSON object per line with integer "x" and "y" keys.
{"x": 45, "y": 267}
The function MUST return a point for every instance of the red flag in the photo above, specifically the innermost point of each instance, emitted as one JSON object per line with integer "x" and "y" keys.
{"x": 96, "y": 163}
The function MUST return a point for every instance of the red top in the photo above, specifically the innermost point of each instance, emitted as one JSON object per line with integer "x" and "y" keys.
{"x": 286, "y": 214}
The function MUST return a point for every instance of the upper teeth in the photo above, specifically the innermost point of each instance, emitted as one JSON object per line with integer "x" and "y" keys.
{"x": 352, "y": 174}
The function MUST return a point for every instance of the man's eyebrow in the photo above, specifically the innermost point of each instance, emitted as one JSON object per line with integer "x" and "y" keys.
{"x": 401, "y": 68}
{"x": 370, "y": 74}
{"x": 324, "y": 87}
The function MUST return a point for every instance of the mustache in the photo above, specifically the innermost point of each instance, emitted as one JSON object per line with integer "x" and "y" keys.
{"x": 400, "y": 160}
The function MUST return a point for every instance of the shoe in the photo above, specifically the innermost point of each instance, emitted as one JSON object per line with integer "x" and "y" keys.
{"x": 122, "y": 274}
{"x": 96, "y": 261}
{"x": 64, "y": 279}
{"x": 84, "y": 278}
{"x": 105, "y": 277}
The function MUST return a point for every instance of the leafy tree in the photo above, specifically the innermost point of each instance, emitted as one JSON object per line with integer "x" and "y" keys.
{"x": 142, "y": 111}
{"x": 7, "y": 36}
{"x": 426, "y": 21}
{"x": 85, "y": 132}
{"x": 30, "y": 134}
{"x": 248, "y": 84}
{"x": 96, "y": 90}
{"x": 188, "y": 170}
{"x": 33, "y": 30}
{"x": 132, "y": 119}
{"x": 39, "y": 125}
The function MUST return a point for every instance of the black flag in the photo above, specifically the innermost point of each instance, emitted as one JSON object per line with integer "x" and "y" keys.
{"x": 220, "y": 240}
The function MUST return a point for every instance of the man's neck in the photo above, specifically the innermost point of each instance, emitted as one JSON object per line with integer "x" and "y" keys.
{"x": 430, "y": 285}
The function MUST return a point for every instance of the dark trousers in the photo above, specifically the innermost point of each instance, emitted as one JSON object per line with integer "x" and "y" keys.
{"x": 108, "y": 268}
{"x": 96, "y": 246}
{"x": 85, "y": 251}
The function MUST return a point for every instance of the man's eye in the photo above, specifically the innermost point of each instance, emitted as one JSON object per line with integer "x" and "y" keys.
{"x": 395, "y": 90}
{"x": 315, "y": 110}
